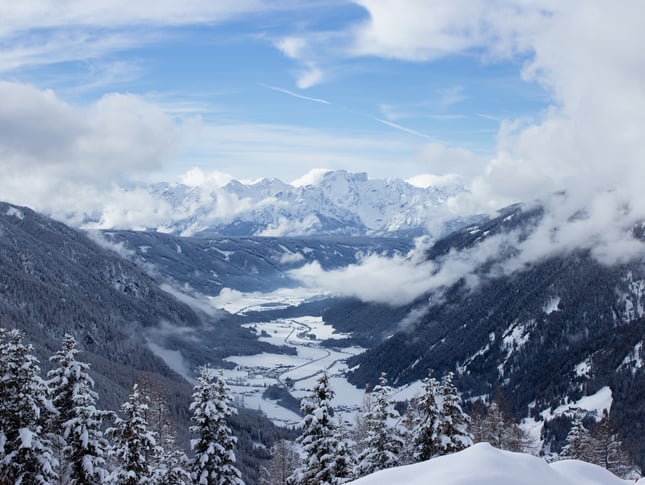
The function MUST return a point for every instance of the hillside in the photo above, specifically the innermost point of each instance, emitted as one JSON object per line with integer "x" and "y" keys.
{"x": 547, "y": 334}
{"x": 482, "y": 464}
{"x": 56, "y": 280}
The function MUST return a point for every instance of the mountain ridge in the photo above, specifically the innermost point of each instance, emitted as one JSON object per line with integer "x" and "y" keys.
{"x": 338, "y": 203}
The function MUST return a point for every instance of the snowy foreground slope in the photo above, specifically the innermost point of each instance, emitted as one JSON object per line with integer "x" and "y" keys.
{"x": 482, "y": 464}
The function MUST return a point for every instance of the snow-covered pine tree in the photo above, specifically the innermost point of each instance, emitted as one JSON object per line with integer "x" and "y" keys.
{"x": 345, "y": 461}
{"x": 172, "y": 467}
{"x": 425, "y": 433}
{"x": 578, "y": 445}
{"x": 134, "y": 445}
{"x": 26, "y": 456}
{"x": 78, "y": 423}
{"x": 453, "y": 421}
{"x": 383, "y": 443}
{"x": 318, "y": 438}
{"x": 214, "y": 460}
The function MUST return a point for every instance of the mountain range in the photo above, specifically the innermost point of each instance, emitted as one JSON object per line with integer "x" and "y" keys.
{"x": 546, "y": 335}
{"x": 335, "y": 203}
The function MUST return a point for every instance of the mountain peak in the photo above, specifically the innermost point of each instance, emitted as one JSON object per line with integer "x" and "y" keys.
{"x": 322, "y": 202}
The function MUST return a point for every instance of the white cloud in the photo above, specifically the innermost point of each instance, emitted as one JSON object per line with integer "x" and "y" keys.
{"x": 313, "y": 177}
{"x": 425, "y": 180}
{"x": 47, "y": 31}
{"x": 195, "y": 177}
{"x": 57, "y": 157}
{"x": 451, "y": 95}
{"x": 589, "y": 142}
{"x": 118, "y": 134}
{"x": 310, "y": 76}
{"x": 292, "y": 227}
{"x": 399, "y": 280}
{"x": 442, "y": 159}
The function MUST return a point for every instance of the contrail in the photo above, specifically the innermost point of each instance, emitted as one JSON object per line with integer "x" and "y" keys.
{"x": 295, "y": 95}
{"x": 323, "y": 101}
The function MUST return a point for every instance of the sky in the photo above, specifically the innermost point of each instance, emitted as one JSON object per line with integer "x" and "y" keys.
{"x": 519, "y": 98}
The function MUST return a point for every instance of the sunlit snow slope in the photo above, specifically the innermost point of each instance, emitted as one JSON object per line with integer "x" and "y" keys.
{"x": 484, "y": 465}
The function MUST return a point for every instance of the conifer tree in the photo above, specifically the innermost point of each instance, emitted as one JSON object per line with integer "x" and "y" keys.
{"x": 383, "y": 443}
{"x": 453, "y": 421}
{"x": 78, "y": 423}
{"x": 426, "y": 431}
{"x": 578, "y": 444}
{"x": 344, "y": 461}
{"x": 26, "y": 456}
{"x": 214, "y": 461}
{"x": 134, "y": 445}
{"x": 172, "y": 465}
{"x": 318, "y": 439}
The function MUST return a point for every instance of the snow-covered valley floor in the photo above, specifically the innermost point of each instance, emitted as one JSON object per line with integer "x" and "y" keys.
{"x": 254, "y": 374}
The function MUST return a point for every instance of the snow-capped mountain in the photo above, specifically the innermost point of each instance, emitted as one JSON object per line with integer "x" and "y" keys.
{"x": 336, "y": 203}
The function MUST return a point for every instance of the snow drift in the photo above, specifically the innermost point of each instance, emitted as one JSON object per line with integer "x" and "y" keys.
{"x": 482, "y": 464}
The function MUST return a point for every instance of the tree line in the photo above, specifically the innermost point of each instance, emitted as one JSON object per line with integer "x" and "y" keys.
{"x": 432, "y": 425}
{"x": 51, "y": 431}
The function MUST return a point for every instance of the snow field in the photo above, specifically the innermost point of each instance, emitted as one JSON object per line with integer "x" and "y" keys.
{"x": 482, "y": 464}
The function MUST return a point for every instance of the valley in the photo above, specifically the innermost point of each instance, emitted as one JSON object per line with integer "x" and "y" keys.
{"x": 254, "y": 375}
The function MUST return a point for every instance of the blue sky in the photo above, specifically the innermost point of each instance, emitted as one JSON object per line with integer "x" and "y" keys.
{"x": 517, "y": 99}
{"x": 232, "y": 72}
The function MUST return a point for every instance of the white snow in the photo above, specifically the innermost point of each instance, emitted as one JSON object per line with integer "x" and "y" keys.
{"x": 482, "y": 464}
{"x": 253, "y": 373}
{"x": 336, "y": 201}
{"x": 583, "y": 368}
{"x": 595, "y": 403}
{"x": 551, "y": 305}
{"x": 26, "y": 437}
{"x": 178, "y": 248}
{"x": 634, "y": 359}
{"x": 461, "y": 368}
{"x": 632, "y": 302}
{"x": 515, "y": 337}
{"x": 15, "y": 212}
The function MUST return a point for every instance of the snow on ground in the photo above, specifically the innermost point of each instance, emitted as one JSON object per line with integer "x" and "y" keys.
{"x": 15, "y": 212}
{"x": 482, "y": 464}
{"x": 254, "y": 373}
{"x": 634, "y": 360}
{"x": 595, "y": 403}
{"x": 551, "y": 305}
